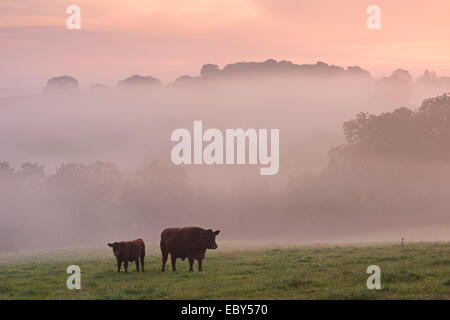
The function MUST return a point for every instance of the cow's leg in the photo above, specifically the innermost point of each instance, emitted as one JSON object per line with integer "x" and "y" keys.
{"x": 165, "y": 256}
{"x": 200, "y": 264}
{"x": 174, "y": 262}
{"x": 142, "y": 263}
{"x": 125, "y": 265}
{"x": 191, "y": 264}
{"x": 119, "y": 264}
{"x": 137, "y": 264}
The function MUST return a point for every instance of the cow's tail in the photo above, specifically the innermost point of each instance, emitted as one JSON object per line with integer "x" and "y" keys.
{"x": 162, "y": 245}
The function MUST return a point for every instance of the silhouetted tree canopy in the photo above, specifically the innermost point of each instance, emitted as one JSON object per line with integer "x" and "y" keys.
{"x": 400, "y": 74}
{"x": 62, "y": 83}
{"x": 140, "y": 81}
{"x": 271, "y": 67}
{"x": 209, "y": 69}
{"x": 420, "y": 134}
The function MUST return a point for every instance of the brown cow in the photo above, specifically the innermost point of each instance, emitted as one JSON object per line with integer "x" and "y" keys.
{"x": 129, "y": 251}
{"x": 190, "y": 242}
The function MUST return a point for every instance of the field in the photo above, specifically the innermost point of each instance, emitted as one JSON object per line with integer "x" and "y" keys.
{"x": 412, "y": 271}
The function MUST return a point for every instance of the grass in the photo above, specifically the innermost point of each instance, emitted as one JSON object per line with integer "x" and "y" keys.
{"x": 413, "y": 271}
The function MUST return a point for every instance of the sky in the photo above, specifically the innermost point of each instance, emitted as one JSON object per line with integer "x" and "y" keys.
{"x": 167, "y": 39}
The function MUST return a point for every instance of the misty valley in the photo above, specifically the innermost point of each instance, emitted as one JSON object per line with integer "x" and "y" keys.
{"x": 90, "y": 164}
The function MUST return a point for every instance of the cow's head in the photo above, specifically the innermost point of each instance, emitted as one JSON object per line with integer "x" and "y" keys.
{"x": 208, "y": 237}
{"x": 117, "y": 248}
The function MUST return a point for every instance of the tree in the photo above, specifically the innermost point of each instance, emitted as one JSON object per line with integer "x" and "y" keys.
{"x": 140, "y": 81}
{"x": 5, "y": 169}
{"x": 209, "y": 70}
{"x": 401, "y": 75}
{"x": 421, "y": 134}
{"x": 62, "y": 83}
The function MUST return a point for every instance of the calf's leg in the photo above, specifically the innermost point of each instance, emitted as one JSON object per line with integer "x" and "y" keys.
{"x": 125, "y": 265}
{"x": 119, "y": 264}
{"x": 200, "y": 265}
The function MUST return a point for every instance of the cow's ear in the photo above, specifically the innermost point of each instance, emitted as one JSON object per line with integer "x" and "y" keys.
{"x": 216, "y": 232}
{"x": 110, "y": 245}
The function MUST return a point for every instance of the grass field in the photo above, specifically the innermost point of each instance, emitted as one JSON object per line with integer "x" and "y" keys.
{"x": 413, "y": 271}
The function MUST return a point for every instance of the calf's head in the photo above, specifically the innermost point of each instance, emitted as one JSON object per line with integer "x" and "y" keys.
{"x": 208, "y": 238}
{"x": 117, "y": 248}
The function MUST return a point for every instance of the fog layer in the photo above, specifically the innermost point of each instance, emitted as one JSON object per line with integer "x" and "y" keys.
{"x": 91, "y": 166}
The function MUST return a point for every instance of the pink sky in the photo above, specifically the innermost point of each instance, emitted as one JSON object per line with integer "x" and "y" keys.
{"x": 167, "y": 39}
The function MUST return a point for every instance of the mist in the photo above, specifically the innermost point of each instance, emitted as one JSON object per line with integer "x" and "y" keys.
{"x": 89, "y": 165}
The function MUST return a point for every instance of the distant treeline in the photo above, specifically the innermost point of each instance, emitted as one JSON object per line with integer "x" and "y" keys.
{"x": 255, "y": 70}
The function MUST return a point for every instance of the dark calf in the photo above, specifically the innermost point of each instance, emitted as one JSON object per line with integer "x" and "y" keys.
{"x": 129, "y": 251}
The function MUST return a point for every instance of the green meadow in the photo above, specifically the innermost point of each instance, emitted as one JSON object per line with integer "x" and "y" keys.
{"x": 412, "y": 271}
